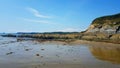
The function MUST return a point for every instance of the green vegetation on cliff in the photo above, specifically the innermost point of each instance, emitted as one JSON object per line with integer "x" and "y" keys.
{"x": 112, "y": 20}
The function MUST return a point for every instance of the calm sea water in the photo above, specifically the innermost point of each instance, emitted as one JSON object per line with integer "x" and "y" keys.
{"x": 34, "y": 54}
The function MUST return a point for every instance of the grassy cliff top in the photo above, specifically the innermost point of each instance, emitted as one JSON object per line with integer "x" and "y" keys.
{"x": 112, "y": 20}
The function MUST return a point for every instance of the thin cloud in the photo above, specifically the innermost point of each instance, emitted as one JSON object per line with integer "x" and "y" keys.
{"x": 38, "y": 21}
{"x": 37, "y": 13}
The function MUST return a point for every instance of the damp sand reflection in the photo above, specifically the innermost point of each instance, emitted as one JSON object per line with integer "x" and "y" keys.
{"x": 56, "y": 54}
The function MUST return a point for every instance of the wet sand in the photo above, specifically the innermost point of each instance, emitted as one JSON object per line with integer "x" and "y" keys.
{"x": 56, "y": 54}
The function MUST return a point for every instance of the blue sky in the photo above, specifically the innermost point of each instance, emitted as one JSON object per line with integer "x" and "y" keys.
{"x": 53, "y": 15}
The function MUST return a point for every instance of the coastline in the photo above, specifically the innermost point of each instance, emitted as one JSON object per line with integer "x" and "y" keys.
{"x": 77, "y": 41}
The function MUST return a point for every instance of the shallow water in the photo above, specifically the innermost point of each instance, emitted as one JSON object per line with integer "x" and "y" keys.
{"x": 33, "y": 54}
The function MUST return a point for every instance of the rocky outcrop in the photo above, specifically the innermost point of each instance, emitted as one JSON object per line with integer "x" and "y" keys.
{"x": 106, "y": 24}
{"x": 106, "y": 28}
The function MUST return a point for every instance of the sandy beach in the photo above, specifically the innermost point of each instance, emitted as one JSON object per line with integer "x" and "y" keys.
{"x": 57, "y": 54}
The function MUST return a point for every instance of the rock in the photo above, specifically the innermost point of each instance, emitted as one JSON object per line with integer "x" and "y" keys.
{"x": 37, "y": 54}
{"x": 26, "y": 49}
{"x": 9, "y": 53}
{"x": 106, "y": 28}
{"x": 42, "y": 49}
{"x": 115, "y": 37}
{"x": 106, "y": 24}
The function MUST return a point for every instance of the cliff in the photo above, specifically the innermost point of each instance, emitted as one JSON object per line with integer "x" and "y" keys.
{"x": 106, "y": 24}
{"x": 106, "y": 28}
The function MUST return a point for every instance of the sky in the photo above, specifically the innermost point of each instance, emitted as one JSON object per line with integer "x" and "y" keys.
{"x": 53, "y": 15}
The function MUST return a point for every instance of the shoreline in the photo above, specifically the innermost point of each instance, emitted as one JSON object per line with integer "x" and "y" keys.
{"x": 74, "y": 40}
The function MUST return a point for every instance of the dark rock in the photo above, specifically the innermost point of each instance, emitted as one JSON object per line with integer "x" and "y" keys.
{"x": 37, "y": 54}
